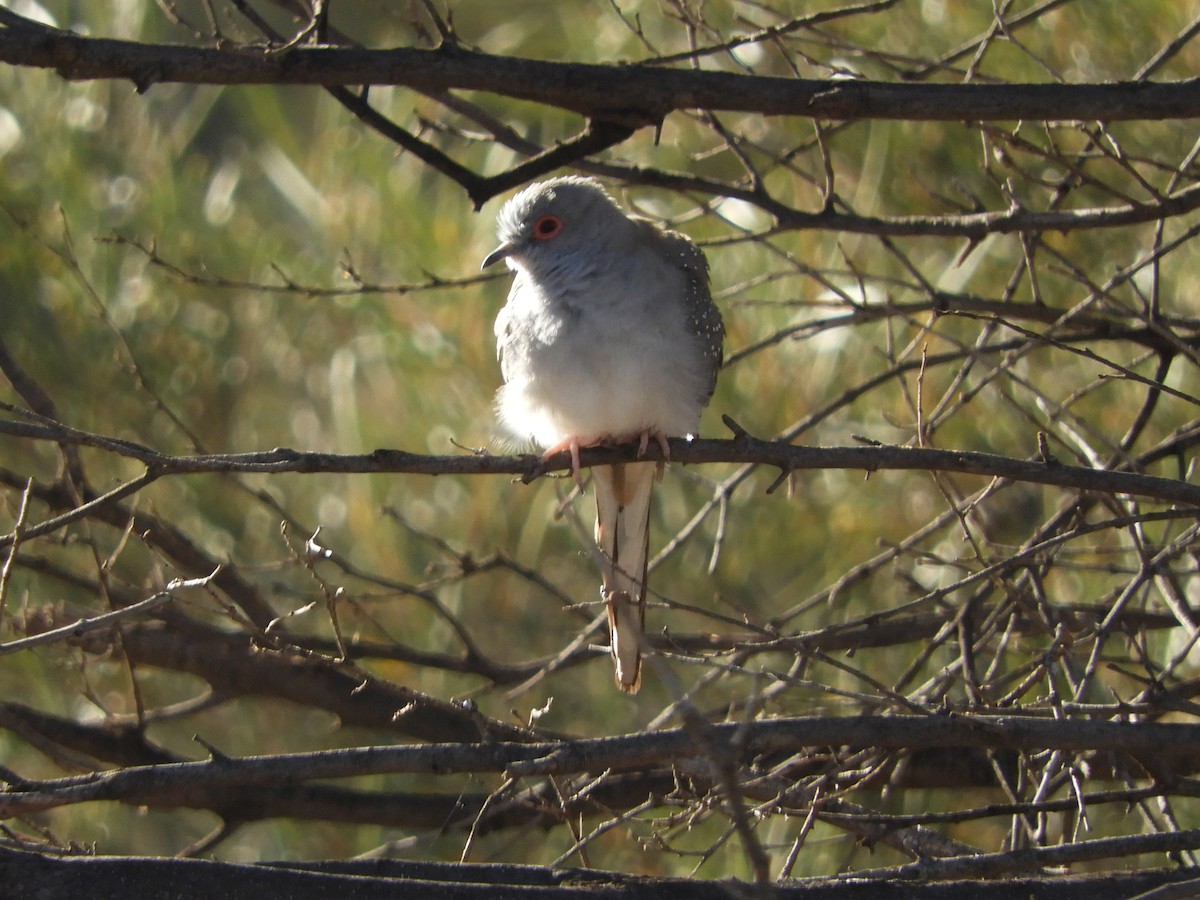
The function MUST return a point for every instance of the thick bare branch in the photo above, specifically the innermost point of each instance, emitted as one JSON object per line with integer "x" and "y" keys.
{"x": 115, "y": 878}
{"x": 630, "y": 94}
{"x": 1156, "y": 744}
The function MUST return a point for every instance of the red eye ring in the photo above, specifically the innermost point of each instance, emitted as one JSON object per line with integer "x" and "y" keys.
{"x": 546, "y": 227}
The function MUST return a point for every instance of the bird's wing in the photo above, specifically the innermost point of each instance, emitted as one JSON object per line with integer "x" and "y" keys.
{"x": 703, "y": 317}
{"x": 622, "y": 534}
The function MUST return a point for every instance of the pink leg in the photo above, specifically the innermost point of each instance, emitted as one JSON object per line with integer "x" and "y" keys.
{"x": 659, "y": 438}
{"x": 572, "y": 444}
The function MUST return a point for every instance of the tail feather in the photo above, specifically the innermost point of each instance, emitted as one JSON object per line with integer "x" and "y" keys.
{"x": 622, "y": 534}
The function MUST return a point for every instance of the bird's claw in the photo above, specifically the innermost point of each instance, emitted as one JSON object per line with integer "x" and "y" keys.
{"x": 659, "y": 438}
{"x": 570, "y": 444}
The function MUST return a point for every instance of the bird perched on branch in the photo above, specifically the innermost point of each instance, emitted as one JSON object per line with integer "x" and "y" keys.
{"x": 609, "y": 335}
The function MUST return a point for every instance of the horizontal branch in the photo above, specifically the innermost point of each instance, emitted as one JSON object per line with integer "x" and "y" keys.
{"x": 1152, "y": 743}
{"x": 623, "y": 93}
{"x": 979, "y": 225}
{"x": 743, "y": 448}
{"x": 28, "y": 874}
{"x": 1031, "y": 859}
{"x": 77, "y": 744}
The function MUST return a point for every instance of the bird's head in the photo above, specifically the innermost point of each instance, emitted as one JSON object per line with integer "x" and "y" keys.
{"x": 552, "y": 223}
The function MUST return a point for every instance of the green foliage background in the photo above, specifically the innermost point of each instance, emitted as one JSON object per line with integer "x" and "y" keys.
{"x": 244, "y": 187}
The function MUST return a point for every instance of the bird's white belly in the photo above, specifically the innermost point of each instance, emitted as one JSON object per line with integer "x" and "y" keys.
{"x": 579, "y": 383}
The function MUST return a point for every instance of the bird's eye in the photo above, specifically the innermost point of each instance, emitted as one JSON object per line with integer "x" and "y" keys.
{"x": 546, "y": 227}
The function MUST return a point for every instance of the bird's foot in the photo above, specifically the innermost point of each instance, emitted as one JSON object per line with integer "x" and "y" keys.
{"x": 571, "y": 443}
{"x": 659, "y": 438}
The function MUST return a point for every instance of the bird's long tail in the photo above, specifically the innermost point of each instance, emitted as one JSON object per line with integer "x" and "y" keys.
{"x": 622, "y": 534}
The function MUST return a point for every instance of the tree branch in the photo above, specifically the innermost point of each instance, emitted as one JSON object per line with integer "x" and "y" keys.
{"x": 117, "y": 878}
{"x": 1154, "y": 743}
{"x": 741, "y": 449}
{"x": 635, "y": 95}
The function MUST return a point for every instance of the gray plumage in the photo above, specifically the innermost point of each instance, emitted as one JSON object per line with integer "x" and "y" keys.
{"x": 609, "y": 334}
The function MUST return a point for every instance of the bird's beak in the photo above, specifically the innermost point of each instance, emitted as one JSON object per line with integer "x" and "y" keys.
{"x": 502, "y": 252}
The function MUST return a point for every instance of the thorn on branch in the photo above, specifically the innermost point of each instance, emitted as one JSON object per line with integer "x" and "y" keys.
{"x": 216, "y": 755}
{"x": 537, "y": 468}
{"x": 449, "y": 41}
{"x": 785, "y": 473}
{"x": 739, "y": 433}
{"x": 146, "y": 78}
{"x": 1044, "y": 454}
